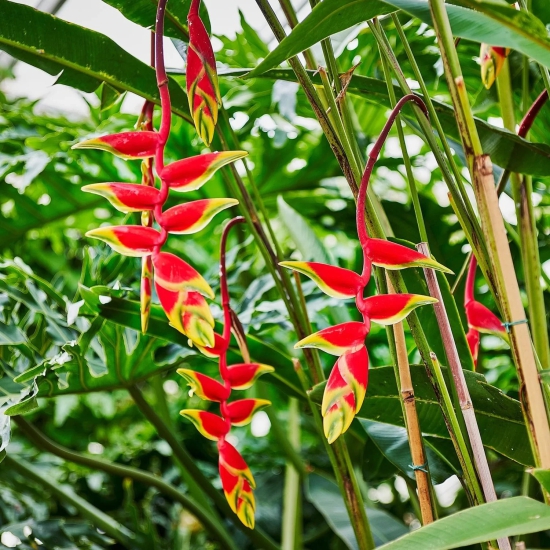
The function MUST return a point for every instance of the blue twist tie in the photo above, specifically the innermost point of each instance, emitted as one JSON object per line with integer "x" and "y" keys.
{"x": 507, "y": 325}
{"x": 421, "y": 467}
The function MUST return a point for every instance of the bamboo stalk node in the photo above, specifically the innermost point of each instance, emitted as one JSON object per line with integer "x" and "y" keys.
{"x": 408, "y": 396}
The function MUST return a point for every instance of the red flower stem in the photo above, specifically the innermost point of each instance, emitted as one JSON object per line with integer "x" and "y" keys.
{"x": 194, "y": 8}
{"x": 470, "y": 281}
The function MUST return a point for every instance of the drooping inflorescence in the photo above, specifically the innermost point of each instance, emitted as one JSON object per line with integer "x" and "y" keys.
{"x": 347, "y": 384}
{"x": 237, "y": 480}
{"x": 180, "y": 288}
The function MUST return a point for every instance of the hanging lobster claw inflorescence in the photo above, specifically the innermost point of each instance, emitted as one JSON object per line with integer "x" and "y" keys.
{"x": 180, "y": 288}
{"x": 347, "y": 384}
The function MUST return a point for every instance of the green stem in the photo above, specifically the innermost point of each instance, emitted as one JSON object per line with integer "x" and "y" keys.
{"x": 291, "y": 534}
{"x": 291, "y": 17}
{"x": 184, "y": 458}
{"x": 99, "y": 519}
{"x": 522, "y": 192}
{"x": 46, "y": 444}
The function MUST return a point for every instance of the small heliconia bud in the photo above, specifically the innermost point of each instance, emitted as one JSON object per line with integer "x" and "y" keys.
{"x": 129, "y": 240}
{"x": 234, "y": 463}
{"x": 198, "y": 329}
{"x": 393, "y": 256}
{"x": 482, "y": 319}
{"x": 202, "y": 80}
{"x": 338, "y": 406}
{"x": 127, "y": 145}
{"x": 492, "y": 59}
{"x": 126, "y": 197}
{"x": 191, "y": 217}
{"x": 217, "y": 349}
{"x": 472, "y": 337}
{"x": 338, "y": 339}
{"x": 173, "y": 274}
{"x": 243, "y": 375}
{"x": 334, "y": 281}
{"x": 210, "y": 425}
{"x": 354, "y": 369}
{"x": 205, "y": 387}
{"x": 172, "y": 303}
{"x": 240, "y": 412}
{"x": 145, "y": 291}
{"x": 388, "y": 309}
{"x": 239, "y": 496}
{"x": 192, "y": 173}
{"x": 246, "y": 505}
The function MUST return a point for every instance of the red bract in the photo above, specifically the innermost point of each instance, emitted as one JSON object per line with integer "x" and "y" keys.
{"x": 241, "y": 377}
{"x": 338, "y": 339}
{"x": 126, "y": 197}
{"x": 193, "y": 216}
{"x": 128, "y": 145}
{"x": 205, "y": 387}
{"x": 240, "y": 412}
{"x": 492, "y": 59}
{"x": 129, "y": 240}
{"x": 388, "y": 309}
{"x": 210, "y": 425}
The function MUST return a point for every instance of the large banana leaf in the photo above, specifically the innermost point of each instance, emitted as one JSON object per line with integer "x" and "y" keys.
{"x": 81, "y": 57}
{"x": 503, "y": 518}
{"x": 505, "y": 148}
{"x": 499, "y": 417}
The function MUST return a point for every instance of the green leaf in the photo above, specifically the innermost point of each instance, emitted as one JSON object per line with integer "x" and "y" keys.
{"x": 542, "y": 476}
{"x": 503, "y": 518}
{"x": 81, "y": 57}
{"x": 326, "y": 497}
{"x": 11, "y": 335}
{"x": 144, "y": 12}
{"x": 326, "y": 18}
{"x": 499, "y": 417}
{"x": 506, "y": 149}
{"x": 494, "y": 23}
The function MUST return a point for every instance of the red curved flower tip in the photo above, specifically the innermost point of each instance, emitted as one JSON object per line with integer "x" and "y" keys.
{"x": 127, "y": 145}
{"x": 241, "y": 412}
{"x": 192, "y": 173}
{"x": 482, "y": 319}
{"x": 393, "y": 256}
{"x": 210, "y": 425}
{"x": 126, "y": 197}
{"x": 173, "y": 274}
{"x": 205, "y": 387}
{"x": 215, "y": 350}
{"x": 234, "y": 463}
{"x": 239, "y": 496}
{"x": 145, "y": 291}
{"x": 334, "y": 281}
{"x": 191, "y": 217}
{"x": 189, "y": 313}
{"x": 129, "y": 240}
{"x": 338, "y": 339}
{"x": 243, "y": 375}
{"x": 492, "y": 59}
{"x": 472, "y": 338}
{"x": 388, "y": 309}
{"x": 202, "y": 80}
{"x": 338, "y": 407}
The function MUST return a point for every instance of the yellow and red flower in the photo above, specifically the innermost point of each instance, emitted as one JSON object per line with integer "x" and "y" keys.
{"x": 129, "y": 240}
{"x": 127, "y": 145}
{"x": 191, "y": 217}
{"x": 126, "y": 197}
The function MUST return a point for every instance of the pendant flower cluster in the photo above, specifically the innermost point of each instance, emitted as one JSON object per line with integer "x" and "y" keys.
{"x": 180, "y": 288}
{"x": 480, "y": 318}
{"x": 237, "y": 480}
{"x": 347, "y": 384}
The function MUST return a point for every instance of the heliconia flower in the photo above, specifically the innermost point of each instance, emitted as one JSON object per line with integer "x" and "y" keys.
{"x": 205, "y": 387}
{"x": 388, "y": 309}
{"x": 240, "y": 412}
{"x": 210, "y": 425}
{"x": 129, "y": 240}
{"x": 393, "y": 256}
{"x": 472, "y": 337}
{"x": 338, "y": 339}
{"x": 354, "y": 369}
{"x": 334, "y": 281}
{"x": 172, "y": 303}
{"x": 492, "y": 59}
{"x": 127, "y": 145}
{"x": 234, "y": 463}
{"x": 192, "y": 173}
{"x": 243, "y": 375}
{"x": 145, "y": 291}
{"x": 217, "y": 349}
{"x": 191, "y": 217}
{"x": 246, "y": 505}
{"x": 202, "y": 80}
{"x": 197, "y": 329}
{"x": 482, "y": 319}
{"x": 126, "y": 197}
{"x": 338, "y": 406}
{"x": 239, "y": 496}
{"x": 172, "y": 273}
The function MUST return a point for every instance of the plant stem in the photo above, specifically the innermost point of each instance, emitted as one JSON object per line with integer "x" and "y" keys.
{"x": 507, "y": 287}
{"x": 416, "y": 443}
{"x": 256, "y": 535}
{"x": 522, "y": 190}
{"x": 291, "y": 534}
{"x": 465, "y": 401}
{"x": 290, "y": 14}
{"x": 206, "y": 518}
{"x": 99, "y": 519}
